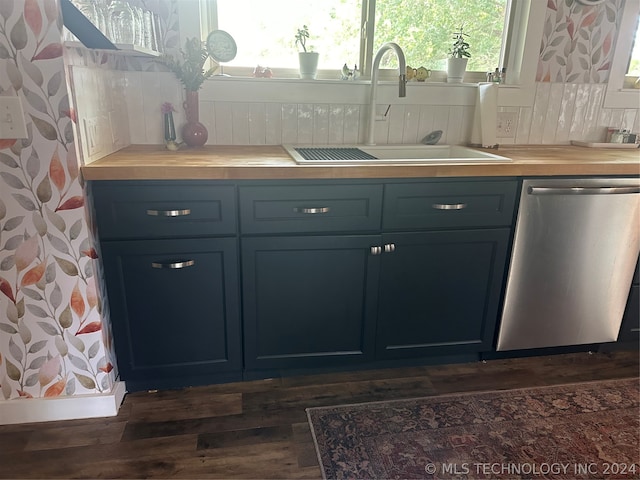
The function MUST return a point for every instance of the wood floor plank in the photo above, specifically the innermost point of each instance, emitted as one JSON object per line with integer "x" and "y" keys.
{"x": 337, "y": 393}
{"x": 246, "y": 420}
{"x": 99, "y": 433}
{"x": 79, "y": 462}
{"x": 178, "y": 407}
{"x": 304, "y": 445}
{"x": 271, "y": 460}
{"x": 14, "y": 441}
{"x": 278, "y": 433}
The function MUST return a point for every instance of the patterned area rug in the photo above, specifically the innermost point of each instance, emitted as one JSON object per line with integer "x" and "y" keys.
{"x": 580, "y": 431}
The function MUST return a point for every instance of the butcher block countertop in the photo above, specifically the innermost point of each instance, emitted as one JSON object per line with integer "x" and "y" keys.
{"x": 237, "y": 162}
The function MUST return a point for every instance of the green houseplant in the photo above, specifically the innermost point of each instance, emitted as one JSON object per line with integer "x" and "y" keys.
{"x": 191, "y": 73}
{"x": 190, "y": 68}
{"x": 458, "y": 57}
{"x": 308, "y": 60}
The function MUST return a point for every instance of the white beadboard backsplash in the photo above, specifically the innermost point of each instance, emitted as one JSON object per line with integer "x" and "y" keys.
{"x": 561, "y": 112}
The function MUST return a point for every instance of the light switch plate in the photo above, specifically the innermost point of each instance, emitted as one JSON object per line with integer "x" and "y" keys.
{"x": 12, "y": 123}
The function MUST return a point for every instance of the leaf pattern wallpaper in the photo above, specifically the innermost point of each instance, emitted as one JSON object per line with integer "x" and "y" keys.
{"x": 54, "y": 339}
{"x": 578, "y": 41}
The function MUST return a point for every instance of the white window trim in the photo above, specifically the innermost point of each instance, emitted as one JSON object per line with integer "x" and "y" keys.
{"x": 616, "y": 95}
{"x": 526, "y": 24}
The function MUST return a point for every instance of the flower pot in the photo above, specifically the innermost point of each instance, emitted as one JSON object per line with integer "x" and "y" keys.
{"x": 194, "y": 134}
{"x": 455, "y": 69}
{"x": 308, "y": 64}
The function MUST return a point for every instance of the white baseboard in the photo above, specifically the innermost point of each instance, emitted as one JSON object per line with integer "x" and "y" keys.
{"x": 62, "y": 408}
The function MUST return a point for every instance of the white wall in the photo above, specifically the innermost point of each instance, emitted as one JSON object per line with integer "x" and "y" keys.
{"x": 333, "y": 113}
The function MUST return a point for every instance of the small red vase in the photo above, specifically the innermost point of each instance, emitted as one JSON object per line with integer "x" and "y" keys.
{"x": 194, "y": 133}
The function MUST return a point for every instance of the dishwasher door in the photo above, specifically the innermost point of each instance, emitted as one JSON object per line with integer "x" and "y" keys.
{"x": 574, "y": 253}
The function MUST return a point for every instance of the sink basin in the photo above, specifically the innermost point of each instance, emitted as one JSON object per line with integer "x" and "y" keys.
{"x": 386, "y": 154}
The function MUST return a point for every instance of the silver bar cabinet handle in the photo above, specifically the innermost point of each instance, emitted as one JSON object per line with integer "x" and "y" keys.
{"x": 376, "y": 250}
{"x": 169, "y": 213}
{"x": 583, "y": 190}
{"x": 174, "y": 265}
{"x": 311, "y": 210}
{"x": 390, "y": 248}
{"x": 449, "y": 206}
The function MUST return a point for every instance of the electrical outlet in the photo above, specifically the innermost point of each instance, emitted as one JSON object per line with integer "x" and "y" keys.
{"x": 12, "y": 118}
{"x": 91, "y": 136}
{"x": 507, "y": 123}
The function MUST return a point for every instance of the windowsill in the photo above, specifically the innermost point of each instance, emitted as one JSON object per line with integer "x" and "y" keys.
{"x": 337, "y": 81}
{"x": 333, "y": 81}
{"x": 329, "y": 75}
{"x": 353, "y": 92}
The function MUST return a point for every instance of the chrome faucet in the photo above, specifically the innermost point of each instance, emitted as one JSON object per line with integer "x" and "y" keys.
{"x": 374, "y": 84}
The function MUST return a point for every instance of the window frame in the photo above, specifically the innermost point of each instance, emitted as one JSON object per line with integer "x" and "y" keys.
{"x": 617, "y": 96}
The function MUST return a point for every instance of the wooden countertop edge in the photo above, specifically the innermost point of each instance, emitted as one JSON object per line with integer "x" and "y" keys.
{"x": 271, "y": 162}
{"x": 282, "y": 173}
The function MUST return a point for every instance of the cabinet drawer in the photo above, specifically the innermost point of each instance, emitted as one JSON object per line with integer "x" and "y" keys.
{"x": 449, "y": 204}
{"x": 315, "y": 208}
{"x": 139, "y": 210}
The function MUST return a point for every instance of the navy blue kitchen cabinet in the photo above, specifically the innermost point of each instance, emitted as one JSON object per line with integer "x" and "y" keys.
{"x": 170, "y": 256}
{"x": 440, "y": 288}
{"x": 309, "y": 278}
{"x": 214, "y": 281}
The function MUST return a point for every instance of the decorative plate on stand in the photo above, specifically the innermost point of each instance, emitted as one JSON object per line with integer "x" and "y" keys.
{"x": 221, "y": 47}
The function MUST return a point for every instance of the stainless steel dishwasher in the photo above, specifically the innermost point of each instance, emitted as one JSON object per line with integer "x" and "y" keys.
{"x": 574, "y": 253}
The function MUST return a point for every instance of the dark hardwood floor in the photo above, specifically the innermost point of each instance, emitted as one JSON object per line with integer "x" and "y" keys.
{"x": 258, "y": 429}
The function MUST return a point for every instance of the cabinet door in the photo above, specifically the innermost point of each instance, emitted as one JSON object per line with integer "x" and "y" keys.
{"x": 175, "y": 310}
{"x": 440, "y": 292}
{"x": 309, "y": 301}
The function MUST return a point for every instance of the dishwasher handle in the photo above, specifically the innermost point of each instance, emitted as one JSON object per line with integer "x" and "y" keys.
{"x": 583, "y": 190}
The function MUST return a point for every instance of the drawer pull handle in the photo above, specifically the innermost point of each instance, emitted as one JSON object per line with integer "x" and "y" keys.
{"x": 311, "y": 210}
{"x": 174, "y": 265}
{"x": 449, "y": 206}
{"x": 376, "y": 250}
{"x": 390, "y": 248}
{"x": 169, "y": 213}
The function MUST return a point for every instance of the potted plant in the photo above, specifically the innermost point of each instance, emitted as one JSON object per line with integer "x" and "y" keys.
{"x": 458, "y": 57}
{"x": 191, "y": 73}
{"x": 307, "y": 58}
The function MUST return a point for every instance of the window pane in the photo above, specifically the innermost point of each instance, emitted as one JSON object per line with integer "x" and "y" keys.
{"x": 265, "y": 30}
{"x": 424, "y": 29}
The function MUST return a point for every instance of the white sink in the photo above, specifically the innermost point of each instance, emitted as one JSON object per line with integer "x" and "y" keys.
{"x": 386, "y": 154}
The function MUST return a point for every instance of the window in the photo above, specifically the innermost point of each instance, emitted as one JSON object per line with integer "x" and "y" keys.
{"x": 264, "y": 30}
{"x": 424, "y": 30}
{"x": 633, "y": 70}
{"x": 619, "y": 94}
{"x": 349, "y": 31}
